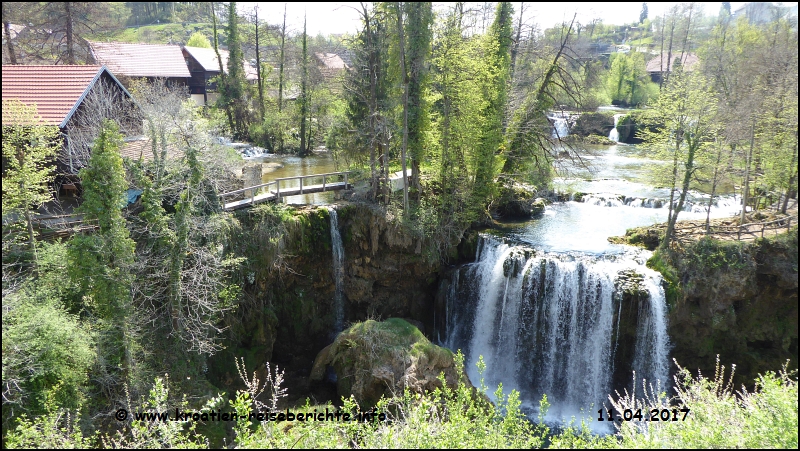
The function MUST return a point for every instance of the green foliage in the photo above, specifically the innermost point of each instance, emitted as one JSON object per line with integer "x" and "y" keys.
{"x": 29, "y": 151}
{"x": 198, "y": 39}
{"x": 55, "y": 430}
{"x": 720, "y": 417}
{"x": 661, "y": 262}
{"x": 100, "y": 263}
{"x": 627, "y": 82}
{"x": 47, "y": 353}
{"x": 144, "y": 434}
{"x": 497, "y": 51}
{"x": 711, "y": 254}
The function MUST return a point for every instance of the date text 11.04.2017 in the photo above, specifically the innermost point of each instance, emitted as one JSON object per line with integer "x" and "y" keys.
{"x": 637, "y": 415}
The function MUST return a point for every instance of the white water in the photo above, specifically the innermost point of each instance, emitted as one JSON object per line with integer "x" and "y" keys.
{"x": 560, "y": 127}
{"x": 614, "y": 134}
{"x": 547, "y": 323}
{"x": 338, "y": 272}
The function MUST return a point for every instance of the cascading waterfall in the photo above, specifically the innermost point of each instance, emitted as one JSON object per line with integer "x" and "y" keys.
{"x": 557, "y": 324}
{"x": 691, "y": 205}
{"x": 338, "y": 272}
{"x": 614, "y": 134}
{"x": 560, "y": 126}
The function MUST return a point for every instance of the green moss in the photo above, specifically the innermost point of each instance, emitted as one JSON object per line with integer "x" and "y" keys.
{"x": 663, "y": 264}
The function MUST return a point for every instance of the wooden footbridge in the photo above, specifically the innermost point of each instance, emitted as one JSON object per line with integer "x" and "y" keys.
{"x": 272, "y": 191}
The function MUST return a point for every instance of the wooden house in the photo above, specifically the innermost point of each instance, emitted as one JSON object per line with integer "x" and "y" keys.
{"x": 76, "y": 99}
{"x": 149, "y": 61}
{"x": 203, "y": 66}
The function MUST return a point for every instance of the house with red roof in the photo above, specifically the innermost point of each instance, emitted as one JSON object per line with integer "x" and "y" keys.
{"x": 76, "y": 99}
{"x": 663, "y": 64}
{"x": 148, "y": 61}
{"x": 204, "y": 66}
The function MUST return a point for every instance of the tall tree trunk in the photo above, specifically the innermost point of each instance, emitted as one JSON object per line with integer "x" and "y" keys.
{"x": 372, "y": 127}
{"x": 746, "y": 189}
{"x": 688, "y": 28}
{"x": 792, "y": 178}
{"x": 12, "y": 54}
{"x": 221, "y": 80}
{"x": 69, "y": 32}
{"x": 281, "y": 64}
{"x": 713, "y": 187}
{"x": 303, "y": 93}
{"x": 671, "y": 213}
{"x": 404, "y": 78}
{"x": 670, "y": 66}
{"x": 258, "y": 73}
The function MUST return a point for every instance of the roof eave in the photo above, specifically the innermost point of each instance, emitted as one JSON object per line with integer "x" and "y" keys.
{"x": 89, "y": 88}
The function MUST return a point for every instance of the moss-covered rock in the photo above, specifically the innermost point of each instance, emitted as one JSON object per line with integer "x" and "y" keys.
{"x": 516, "y": 200}
{"x": 374, "y": 359}
{"x": 597, "y": 123}
{"x": 648, "y": 237}
{"x": 737, "y": 300}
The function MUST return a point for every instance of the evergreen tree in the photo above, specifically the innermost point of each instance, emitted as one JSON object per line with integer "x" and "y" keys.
{"x": 643, "y": 14}
{"x": 235, "y": 83}
{"x": 100, "y": 262}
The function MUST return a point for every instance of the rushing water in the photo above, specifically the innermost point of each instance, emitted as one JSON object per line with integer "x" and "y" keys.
{"x": 614, "y": 133}
{"x": 545, "y": 302}
{"x": 549, "y": 323}
{"x": 338, "y": 272}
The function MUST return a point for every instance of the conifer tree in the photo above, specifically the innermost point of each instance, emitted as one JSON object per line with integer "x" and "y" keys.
{"x": 100, "y": 262}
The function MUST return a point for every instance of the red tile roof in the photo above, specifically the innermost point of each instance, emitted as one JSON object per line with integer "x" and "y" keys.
{"x": 55, "y": 90}
{"x": 688, "y": 62}
{"x": 141, "y": 60}
{"x": 142, "y": 148}
{"x": 207, "y": 58}
{"x": 331, "y": 60}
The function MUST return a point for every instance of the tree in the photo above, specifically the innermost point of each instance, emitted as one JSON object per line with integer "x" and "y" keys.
{"x": 100, "y": 262}
{"x": 643, "y": 14}
{"x": 420, "y": 32}
{"x": 627, "y": 82}
{"x": 366, "y": 94}
{"x": 683, "y": 126}
{"x": 401, "y": 51}
{"x": 304, "y": 93}
{"x": 232, "y": 89}
{"x": 546, "y": 74}
{"x": 29, "y": 152}
{"x": 198, "y": 39}
{"x": 498, "y": 55}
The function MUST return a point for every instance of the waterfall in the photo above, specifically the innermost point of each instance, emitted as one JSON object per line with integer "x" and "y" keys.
{"x": 560, "y": 126}
{"x": 558, "y": 324}
{"x": 338, "y": 272}
{"x": 614, "y": 135}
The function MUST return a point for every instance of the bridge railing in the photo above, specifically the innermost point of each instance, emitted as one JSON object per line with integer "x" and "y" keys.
{"x": 251, "y": 191}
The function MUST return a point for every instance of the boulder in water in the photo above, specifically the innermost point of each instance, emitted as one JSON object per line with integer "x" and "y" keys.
{"x": 374, "y": 359}
{"x": 516, "y": 201}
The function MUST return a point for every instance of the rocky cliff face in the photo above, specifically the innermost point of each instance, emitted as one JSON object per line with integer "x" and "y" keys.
{"x": 738, "y": 301}
{"x": 287, "y": 312}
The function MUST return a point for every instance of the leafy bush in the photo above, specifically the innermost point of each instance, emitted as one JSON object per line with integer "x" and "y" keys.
{"x": 719, "y": 417}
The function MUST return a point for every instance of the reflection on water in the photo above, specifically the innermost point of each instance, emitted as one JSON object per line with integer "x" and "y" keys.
{"x": 293, "y": 166}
